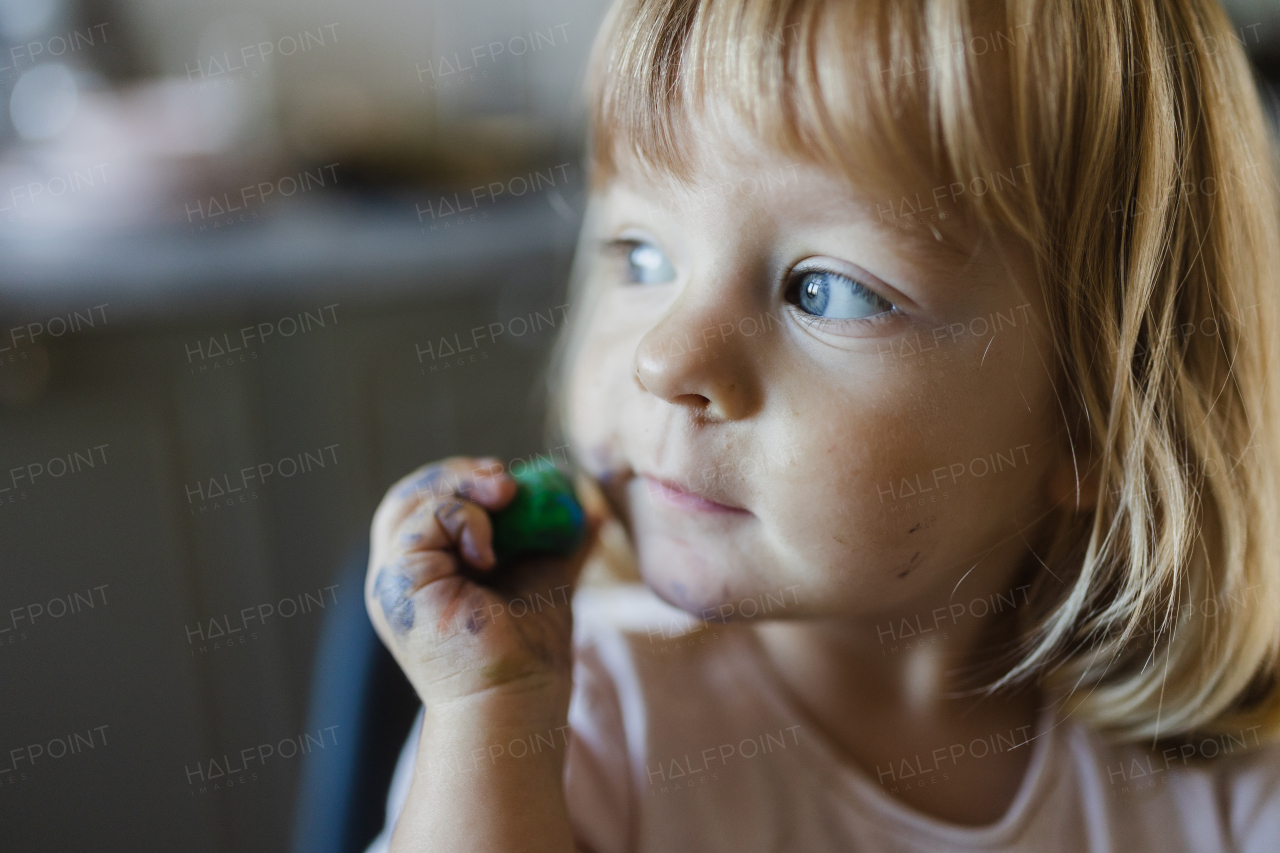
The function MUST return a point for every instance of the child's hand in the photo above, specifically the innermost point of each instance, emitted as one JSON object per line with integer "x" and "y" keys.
{"x": 459, "y": 629}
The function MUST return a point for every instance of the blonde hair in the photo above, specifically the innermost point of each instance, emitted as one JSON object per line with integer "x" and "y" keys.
{"x": 1147, "y": 196}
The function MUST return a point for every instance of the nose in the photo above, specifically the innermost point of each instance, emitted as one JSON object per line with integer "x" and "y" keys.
{"x": 694, "y": 357}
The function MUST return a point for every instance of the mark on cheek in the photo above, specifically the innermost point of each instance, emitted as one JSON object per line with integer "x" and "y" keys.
{"x": 392, "y": 590}
{"x": 923, "y": 524}
{"x": 603, "y": 459}
{"x": 676, "y": 594}
{"x": 911, "y": 564}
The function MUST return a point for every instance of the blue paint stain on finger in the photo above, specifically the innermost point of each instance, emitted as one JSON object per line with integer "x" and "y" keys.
{"x": 392, "y": 590}
{"x": 425, "y": 483}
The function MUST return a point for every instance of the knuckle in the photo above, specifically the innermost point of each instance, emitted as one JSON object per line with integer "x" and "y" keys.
{"x": 419, "y": 562}
{"x": 420, "y": 519}
{"x": 452, "y": 513}
{"x": 427, "y": 568}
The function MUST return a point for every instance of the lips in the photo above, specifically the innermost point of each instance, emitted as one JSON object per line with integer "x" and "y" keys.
{"x": 682, "y": 497}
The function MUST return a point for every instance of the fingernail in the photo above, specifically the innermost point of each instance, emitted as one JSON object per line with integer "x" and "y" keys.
{"x": 478, "y": 556}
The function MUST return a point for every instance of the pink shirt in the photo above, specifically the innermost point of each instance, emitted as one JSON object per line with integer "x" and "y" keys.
{"x": 685, "y": 742}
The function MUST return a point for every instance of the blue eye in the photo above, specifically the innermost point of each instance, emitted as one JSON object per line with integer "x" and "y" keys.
{"x": 646, "y": 264}
{"x": 835, "y": 297}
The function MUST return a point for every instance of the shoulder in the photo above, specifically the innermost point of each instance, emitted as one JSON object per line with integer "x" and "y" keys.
{"x": 1223, "y": 787}
{"x": 1251, "y": 782}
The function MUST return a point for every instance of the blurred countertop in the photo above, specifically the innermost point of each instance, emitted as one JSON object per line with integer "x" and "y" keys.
{"x": 357, "y": 249}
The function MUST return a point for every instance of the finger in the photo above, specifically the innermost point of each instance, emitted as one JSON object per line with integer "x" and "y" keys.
{"x": 453, "y": 476}
{"x": 469, "y": 529}
{"x": 441, "y": 479}
{"x": 490, "y": 489}
{"x": 420, "y": 531}
{"x": 452, "y": 523}
{"x": 403, "y": 499}
{"x": 480, "y": 479}
{"x": 394, "y": 585}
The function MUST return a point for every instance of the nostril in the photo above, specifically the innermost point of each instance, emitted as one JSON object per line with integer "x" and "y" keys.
{"x": 698, "y": 406}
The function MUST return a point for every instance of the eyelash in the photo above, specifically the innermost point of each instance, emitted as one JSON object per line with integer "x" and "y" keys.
{"x": 620, "y": 249}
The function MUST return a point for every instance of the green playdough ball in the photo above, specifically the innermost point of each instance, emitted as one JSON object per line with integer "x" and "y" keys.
{"x": 543, "y": 518}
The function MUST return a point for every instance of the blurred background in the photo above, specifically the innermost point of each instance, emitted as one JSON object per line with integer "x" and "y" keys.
{"x": 257, "y": 261}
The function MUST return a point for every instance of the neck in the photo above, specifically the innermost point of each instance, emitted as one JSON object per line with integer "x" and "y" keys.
{"x": 923, "y": 662}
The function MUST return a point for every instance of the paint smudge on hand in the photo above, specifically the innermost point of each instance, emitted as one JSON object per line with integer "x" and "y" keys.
{"x": 392, "y": 589}
{"x": 426, "y": 483}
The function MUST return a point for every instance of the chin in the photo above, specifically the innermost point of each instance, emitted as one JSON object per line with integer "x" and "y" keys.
{"x": 721, "y": 589}
{"x": 683, "y": 578}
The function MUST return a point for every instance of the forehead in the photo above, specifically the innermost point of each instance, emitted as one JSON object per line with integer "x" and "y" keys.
{"x": 726, "y": 164}
{"x": 730, "y": 184}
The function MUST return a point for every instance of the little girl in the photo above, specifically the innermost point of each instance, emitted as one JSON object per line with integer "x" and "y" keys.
{"x": 925, "y": 353}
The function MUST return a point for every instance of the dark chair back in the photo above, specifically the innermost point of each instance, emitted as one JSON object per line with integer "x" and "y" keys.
{"x": 358, "y": 687}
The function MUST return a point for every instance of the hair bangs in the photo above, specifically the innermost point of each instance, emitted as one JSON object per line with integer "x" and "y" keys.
{"x": 892, "y": 97}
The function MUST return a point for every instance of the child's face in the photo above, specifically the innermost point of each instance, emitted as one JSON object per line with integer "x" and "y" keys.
{"x": 860, "y": 463}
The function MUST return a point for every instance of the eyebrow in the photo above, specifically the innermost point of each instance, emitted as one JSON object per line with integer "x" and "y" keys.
{"x": 944, "y": 249}
{"x": 932, "y": 249}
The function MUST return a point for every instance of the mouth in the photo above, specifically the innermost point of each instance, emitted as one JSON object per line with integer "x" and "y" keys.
{"x": 682, "y": 497}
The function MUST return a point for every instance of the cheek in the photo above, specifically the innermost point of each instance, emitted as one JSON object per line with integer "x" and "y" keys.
{"x": 893, "y": 492}
{"x": 597, "y": 394}
{"x": 602, "y": 385}
{"x": 827, "y": 516}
